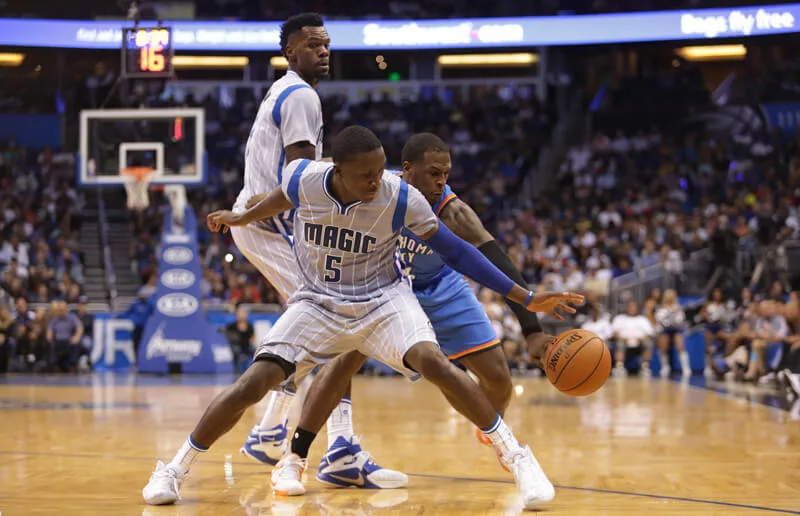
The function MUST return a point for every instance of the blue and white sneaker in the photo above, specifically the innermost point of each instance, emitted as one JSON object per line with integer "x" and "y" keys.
{"x": 345, "y": 464}
{"x": 266, "y": 446}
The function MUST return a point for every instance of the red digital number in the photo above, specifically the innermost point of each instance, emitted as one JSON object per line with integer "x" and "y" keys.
{"x": 151, "y": 59}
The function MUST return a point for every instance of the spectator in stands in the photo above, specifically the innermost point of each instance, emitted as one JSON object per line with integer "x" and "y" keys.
{"x": 633, "y": 334}
{"x": 713, "y": 317}
{"x": 87, "y": 322}
{"x": 138, "y": 313}
{"x": 32, "y": 351}
{"x": 22, "y": 315}
{"x": 64, "y": 333}
{"x": 243, "y": 291}
{"x": 671, "y": 323}
{"x": 241, "y": 336}
{"x": 6, "y": 336}
{"x": 599, "y": 323}
{"x": 770, "y": 330}
{"x": 651, "y": 304}
{"x": 724, "y": 241}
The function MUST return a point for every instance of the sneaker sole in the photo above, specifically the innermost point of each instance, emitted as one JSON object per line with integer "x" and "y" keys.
{"x": 382, "y": 484}
{"x": 269, "y": 462}
{"x": 538, "y": 502}
{"x": 296, "y": 492}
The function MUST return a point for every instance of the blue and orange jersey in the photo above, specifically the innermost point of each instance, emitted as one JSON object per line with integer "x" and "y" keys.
{"x": 423, "y": 264}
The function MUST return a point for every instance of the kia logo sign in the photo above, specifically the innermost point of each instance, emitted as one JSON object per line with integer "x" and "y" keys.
{"x": 178, "y": 255}
{"x": 177, "y": 278}
{"x": 177, "y": 305}
{"x": 177, "y": 238}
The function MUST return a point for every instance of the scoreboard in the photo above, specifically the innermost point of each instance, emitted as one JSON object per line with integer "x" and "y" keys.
{"x": 147, "y": 52}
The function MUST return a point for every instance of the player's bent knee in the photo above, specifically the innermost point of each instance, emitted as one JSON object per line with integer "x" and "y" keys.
{"x": 265, "y": 373}
{"x": 427, "y": 359}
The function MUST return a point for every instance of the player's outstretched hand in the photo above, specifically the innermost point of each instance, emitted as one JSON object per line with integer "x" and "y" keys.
{"x": 555, "y": 303}
{"x": 222, "y": 219}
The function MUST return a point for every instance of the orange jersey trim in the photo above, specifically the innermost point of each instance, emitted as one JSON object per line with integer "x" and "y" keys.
{"x": 479, "y": 347}
{"x": 445, "y": 202}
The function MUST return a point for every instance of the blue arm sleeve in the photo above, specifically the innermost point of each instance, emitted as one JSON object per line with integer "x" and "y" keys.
{"x": 467, "y": 260}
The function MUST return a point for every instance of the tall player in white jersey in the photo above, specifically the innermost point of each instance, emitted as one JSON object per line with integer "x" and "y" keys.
{"x": 288, "y": 126}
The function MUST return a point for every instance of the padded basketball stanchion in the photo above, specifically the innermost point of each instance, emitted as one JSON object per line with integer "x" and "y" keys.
{"x": 178, "y": 336}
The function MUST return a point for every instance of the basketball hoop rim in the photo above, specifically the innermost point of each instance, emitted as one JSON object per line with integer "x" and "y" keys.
{"x": 137, "y": 174}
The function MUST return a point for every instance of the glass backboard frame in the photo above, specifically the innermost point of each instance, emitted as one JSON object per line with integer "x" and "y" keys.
{"x": 85, "y": 178}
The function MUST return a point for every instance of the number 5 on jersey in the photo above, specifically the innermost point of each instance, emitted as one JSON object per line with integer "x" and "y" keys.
{"x": 333, "y": 270}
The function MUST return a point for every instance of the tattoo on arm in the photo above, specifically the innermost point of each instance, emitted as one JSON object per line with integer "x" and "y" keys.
{"x": 464, "y": 222}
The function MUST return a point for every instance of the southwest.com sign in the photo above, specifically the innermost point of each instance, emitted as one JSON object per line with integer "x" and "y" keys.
{"x": 430, "y": 34}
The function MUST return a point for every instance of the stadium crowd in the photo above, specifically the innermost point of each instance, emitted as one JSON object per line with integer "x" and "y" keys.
{"x": 41, "y": 262}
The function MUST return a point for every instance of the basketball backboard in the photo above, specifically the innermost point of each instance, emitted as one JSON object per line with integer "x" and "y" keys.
{"x": 116, "y": 142}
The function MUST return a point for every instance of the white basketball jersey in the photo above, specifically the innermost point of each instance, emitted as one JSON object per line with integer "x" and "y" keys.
{"x": 290, "y": 113}
{"x": 351, "y": 252}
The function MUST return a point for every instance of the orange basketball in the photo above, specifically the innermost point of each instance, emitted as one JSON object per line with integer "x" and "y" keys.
{"x": 577, "y": 362}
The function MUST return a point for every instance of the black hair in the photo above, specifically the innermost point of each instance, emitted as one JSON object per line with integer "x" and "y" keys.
{"x": 296, "y": 23}
{"x": 353, "y": 140}
{"x": 416, "y": 146}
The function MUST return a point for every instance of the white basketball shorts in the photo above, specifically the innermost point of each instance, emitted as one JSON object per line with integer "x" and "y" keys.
{"x": 317, "y": 328}
{"x": 271, "y": 253}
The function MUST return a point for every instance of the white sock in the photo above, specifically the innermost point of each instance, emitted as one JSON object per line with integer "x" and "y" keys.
{"x": 503, "y": 440}
{"x": 340, "y": 424}
{"x": 186, "y": 455}
{"x": 666, "y": 360}
{"x": 277, "y": 409}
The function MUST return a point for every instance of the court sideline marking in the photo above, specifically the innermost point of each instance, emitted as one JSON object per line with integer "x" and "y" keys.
{"x": 441, "y": 477}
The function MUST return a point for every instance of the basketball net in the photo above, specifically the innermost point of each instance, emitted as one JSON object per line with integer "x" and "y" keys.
{"x": 137, "y": 181}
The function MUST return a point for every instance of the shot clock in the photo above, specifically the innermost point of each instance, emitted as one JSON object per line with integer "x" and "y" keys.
{"x": 147, "y": 52}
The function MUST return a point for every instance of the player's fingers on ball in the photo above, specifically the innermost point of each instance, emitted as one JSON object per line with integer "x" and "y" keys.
{"x": 566, "y": 308}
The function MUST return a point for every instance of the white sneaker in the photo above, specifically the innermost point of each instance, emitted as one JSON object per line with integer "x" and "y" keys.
{"x": 620, "y": 372}
{"x": 767, "y": 378}
{"x": 533, "y": 484}
{"x": 266, "y": 446}
{"x": 287, "y": 475}
{"x": 164, "y": 485}
{"x": 345, "y": 464}
{"x": 791, "y": 383}
{"x": 666, "y": 371}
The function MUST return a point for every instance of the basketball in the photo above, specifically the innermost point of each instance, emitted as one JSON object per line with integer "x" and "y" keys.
{"x": 577, "y": 362}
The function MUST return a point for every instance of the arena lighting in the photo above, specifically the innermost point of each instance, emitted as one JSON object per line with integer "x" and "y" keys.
{"x": 713, "y": 53}
{"x": 279, "y": 62}
{"x": 210, "y": 61}
{"x": 11, "y": 59}
{"x": 518, "y": 59}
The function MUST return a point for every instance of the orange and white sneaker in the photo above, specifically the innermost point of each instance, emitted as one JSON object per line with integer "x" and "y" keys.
{"x": 482, "y": 437}
{"x": 488, "y": 442}
{"x": 287, "y": 476}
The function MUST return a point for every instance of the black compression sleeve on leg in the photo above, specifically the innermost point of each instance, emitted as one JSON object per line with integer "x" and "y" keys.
{"x": 301, "y": 442}
{"x": 527, "y": 320}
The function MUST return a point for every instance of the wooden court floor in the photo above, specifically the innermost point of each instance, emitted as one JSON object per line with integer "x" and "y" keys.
{"x": 645, "y": 447}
